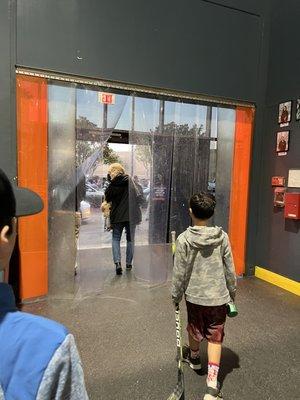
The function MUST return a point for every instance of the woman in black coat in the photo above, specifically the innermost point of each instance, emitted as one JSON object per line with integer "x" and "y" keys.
{"x": 125, "y": 213}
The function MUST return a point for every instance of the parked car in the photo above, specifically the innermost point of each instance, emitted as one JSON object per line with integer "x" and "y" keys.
{"x": 146, "y": 193}
{"x": 212, "y": 186}
{"x": 94, "y": 195}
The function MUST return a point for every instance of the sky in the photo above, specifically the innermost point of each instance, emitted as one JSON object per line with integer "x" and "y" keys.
{"x": 120, "y": 147}
{"x": 146, "y": 111}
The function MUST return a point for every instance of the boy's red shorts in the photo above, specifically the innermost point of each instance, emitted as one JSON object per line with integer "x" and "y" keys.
{"x": 206, "y": 322}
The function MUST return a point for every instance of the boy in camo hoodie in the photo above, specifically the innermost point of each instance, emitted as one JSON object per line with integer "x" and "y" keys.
{"x": 204, "y": 273}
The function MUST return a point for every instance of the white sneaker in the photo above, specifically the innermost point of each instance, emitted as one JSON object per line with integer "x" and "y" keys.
{"x": 210, "y": 397}
{"x": 213, "y": 393}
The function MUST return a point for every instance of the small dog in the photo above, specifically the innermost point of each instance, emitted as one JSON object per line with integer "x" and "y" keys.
{"x": 115, "y": 169}
{"x": 105, "y": 208}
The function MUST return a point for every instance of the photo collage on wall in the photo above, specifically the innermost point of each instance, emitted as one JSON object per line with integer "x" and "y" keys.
{"x": 284, "y": 119}
{"x": 285, "y": 116}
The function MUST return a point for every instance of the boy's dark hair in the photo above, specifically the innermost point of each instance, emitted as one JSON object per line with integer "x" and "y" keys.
{"x": 203, "y": 205}
{"x": 7, "y": 202}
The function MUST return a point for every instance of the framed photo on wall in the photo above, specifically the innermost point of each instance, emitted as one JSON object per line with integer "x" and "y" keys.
{"x": 298, "y": 110}
{"x": 285, "y": 112}
{"x": 282, "y": 143}
{"x": 279, "y": 195}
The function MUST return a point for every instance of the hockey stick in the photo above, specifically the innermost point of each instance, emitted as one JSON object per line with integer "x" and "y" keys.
{"x": 178, "y": 392}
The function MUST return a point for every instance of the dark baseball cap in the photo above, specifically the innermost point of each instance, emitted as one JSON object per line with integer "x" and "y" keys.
{"x": 16, "y": 201}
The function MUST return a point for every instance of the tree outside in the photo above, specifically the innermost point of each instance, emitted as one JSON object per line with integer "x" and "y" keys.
{"x": 144, "y": 143}
{"x": 110, "y": 156}
{"x": 86, "y": 148}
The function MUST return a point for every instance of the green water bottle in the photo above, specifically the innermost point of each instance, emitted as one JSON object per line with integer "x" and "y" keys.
{"x": 231, "y": 309}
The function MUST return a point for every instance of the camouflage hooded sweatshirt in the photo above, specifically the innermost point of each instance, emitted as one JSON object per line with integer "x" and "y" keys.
{"x": 203, "y": 267}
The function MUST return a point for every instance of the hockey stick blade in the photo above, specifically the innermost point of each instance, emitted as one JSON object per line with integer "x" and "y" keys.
{"x": 178, "y": 394}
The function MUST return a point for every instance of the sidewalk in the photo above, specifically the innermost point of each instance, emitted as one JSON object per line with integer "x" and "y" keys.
{"x": 93, "y": 236}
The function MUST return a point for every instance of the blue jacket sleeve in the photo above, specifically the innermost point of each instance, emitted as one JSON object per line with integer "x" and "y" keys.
{"x": 63, "y": 378}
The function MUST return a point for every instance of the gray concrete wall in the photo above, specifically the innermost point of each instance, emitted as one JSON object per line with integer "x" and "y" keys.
{"x": 199, "y": 47}
{"x": 7, "y": 88}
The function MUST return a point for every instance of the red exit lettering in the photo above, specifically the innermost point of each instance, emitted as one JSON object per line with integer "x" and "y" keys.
{"x": 106, "y": 98}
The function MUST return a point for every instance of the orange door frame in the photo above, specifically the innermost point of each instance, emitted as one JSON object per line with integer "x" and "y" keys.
{"x": 32, "y": 127}
{"x": 239, "y": 196}
{"x": 32, "y": 141}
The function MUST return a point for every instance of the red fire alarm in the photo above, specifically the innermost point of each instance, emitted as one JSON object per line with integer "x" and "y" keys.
{"x": 292, "y": 206}
{"x": 278, "y": 180}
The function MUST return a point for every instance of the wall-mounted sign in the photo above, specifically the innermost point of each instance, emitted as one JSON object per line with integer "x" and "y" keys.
{"x": 294, "y": 178}
{"x": 106, "y": 98}
{"x": 292, "y": 207}
{"x": 279, "y": 194}
{"x": 160, "y": 193}
{"x": 278, "y": 180}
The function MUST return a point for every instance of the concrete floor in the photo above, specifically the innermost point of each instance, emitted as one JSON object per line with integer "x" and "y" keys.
{"x": 126, "y": 338}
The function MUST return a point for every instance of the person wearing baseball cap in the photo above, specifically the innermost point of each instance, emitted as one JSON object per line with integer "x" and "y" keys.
{"x": 38, "y": 357}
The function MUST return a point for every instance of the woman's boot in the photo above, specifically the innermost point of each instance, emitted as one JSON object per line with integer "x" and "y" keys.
{"x": 118, "y": 268}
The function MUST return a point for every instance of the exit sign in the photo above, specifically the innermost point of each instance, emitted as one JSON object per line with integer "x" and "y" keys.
{"x": 278, "y": 181}
{"x": 106, "y": 98}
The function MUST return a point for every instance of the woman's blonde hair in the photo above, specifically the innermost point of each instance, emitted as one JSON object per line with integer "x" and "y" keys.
{"x": 116, "y": 169}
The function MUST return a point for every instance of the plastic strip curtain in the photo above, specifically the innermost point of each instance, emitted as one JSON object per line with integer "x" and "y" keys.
{"x": 95, "y": 122}
{"x": 174, "y": 144}
{"x": 191, "y": 155}
{"x": 61, "y": 185}
{"x": 151, "y": 174}
{"x": 225, "y": 119}
{"x": 202, "y": 160}
{"x": 79, "y": 127}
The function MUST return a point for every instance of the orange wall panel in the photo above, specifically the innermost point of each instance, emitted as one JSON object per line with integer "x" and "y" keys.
{"x": 240, "y": 186}
{"x": 33, "y": 174}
